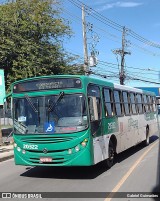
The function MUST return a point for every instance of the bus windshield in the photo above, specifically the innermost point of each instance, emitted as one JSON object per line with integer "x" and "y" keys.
{"x": 63, "y": 113}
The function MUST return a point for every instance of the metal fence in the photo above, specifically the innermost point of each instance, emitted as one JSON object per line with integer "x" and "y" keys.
{"x": 5, "y": 117}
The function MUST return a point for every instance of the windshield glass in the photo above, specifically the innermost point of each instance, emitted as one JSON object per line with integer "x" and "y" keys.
{"x": 63, "y": 113}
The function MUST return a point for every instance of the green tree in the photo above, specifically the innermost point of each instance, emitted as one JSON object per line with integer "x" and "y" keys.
{"x": 31, "y": 37}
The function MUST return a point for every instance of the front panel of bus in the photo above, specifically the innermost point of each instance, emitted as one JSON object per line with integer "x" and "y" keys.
{"x": 51, "y": 123}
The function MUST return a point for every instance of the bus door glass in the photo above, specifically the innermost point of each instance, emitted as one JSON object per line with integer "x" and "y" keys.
{"x": 94, "y": 103}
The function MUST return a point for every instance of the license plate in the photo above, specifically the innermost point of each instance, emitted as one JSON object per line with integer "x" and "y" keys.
{"x": 46, "y": 159}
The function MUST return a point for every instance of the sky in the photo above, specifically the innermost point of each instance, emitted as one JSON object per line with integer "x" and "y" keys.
{"x": 105, "y": 20}
{"x": 141, "y": 19}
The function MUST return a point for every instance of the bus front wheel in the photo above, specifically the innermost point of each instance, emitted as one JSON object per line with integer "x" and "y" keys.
{"x": 111, "y": 154}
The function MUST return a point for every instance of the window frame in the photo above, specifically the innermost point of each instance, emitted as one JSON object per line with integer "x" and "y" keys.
{"x": 120, "y": 102}
{"x": 141, "y": 103}
{"x": 112, "y": 104}
{"x": 131, "y": 103}
{"x": 128, "y": 103}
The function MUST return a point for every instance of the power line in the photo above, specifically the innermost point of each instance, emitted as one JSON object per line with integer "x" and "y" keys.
{"x": 78, "y": 20}
{"x": 140, "y": 72}
{"x": 144, "y": 50}
{"x": 98, "y": 16}
{"x": 114, "y": 25}
{"x": 142, "y": 39}
{"x": 137, "y": 79}
{"x": 112, "y": 65}
{"x": 109, "y": 35}
{"x": 103, "y": 17}
{"x": 131, "y": 78}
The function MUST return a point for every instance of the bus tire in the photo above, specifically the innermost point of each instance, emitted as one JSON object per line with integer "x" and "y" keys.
{"x": 111, "y": 153}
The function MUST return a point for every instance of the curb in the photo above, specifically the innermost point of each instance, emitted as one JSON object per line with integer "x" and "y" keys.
{"x": 6, "y": 158}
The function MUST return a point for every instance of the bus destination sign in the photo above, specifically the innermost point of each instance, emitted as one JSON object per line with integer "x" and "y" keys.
{"x": 47, "y": 84}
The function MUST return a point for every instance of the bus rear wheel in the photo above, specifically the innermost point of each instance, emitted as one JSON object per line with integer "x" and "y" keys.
{"x": 111, "y": 154}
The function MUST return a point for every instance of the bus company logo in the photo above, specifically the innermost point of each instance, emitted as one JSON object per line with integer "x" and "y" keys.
{"x": 45, "y": 151}
{"x": 111, "y": 125}
{"x": 132, "y": 123}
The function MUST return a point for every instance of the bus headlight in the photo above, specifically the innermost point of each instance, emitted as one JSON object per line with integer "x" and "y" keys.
{"x": 18, "y": 149}
{"x": 84, "y": 143}
{"x": 23, "y": 151}
{"x": 70, "y": 151}
{"x": 77, "y": 148}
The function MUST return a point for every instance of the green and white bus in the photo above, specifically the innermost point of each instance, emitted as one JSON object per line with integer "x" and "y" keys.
{"x": 72, "y": 120}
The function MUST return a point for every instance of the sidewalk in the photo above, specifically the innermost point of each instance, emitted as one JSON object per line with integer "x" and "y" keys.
{"x": 6, "y": 152}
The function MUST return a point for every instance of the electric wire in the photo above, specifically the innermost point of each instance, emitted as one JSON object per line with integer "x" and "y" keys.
{"x": 113, "y": 24}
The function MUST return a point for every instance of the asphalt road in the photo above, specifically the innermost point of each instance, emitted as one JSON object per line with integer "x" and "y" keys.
{"x": 135, "y": 170}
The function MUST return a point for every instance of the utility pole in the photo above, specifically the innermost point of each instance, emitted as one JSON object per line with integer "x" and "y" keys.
{"x": 86, "y": 70}
{"x": 122, "y": 53}
{"x": 122, "y": 73}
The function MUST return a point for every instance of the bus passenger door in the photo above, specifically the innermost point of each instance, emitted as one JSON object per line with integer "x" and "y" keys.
{"x": 95, "y": 113}
{"x": 95, "y": 121}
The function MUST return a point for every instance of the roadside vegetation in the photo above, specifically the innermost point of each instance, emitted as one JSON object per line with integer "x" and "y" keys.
{"x": 31, "y": 40}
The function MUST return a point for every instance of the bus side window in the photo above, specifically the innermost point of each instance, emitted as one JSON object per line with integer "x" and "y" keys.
{"x": 139, "y": 103}
{"x": 149, "y": 103}
{"x": 145, "y": 103}
{"x": 126, "y": 103}
{"x": 117, "y": 99}
{"x": 133, "y": 103}
{"x": 154, "y": 104}
{"x": 108, "y": 101}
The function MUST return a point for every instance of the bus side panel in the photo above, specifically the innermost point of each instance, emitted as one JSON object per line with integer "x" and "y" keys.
{"x": 101, "y": 143}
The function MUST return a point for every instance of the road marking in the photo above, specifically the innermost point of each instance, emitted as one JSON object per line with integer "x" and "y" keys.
{"x": 124, "y": 178}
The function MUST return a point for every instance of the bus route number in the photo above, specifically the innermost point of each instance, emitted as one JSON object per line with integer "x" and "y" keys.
{"x": 30, "y": 146}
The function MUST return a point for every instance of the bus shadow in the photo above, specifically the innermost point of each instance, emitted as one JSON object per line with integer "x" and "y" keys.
{"x": 79, "y": 172}
{"x": 131, "y": 151}
{"x": 156, "y": 191}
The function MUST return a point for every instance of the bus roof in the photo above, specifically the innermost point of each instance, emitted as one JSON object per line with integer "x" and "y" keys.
{"x": 89, "y": 79}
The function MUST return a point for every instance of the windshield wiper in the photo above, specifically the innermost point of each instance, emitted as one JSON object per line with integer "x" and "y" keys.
{"x": 33, "y": 107}
{"x": 51, "y": 107}
{"x": 31, "y": 103}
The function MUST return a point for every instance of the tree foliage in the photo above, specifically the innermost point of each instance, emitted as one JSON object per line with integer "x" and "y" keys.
{"x": 31, "y": 36}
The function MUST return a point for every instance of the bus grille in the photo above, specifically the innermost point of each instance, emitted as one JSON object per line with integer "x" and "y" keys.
{"x": 46, "y": 140}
